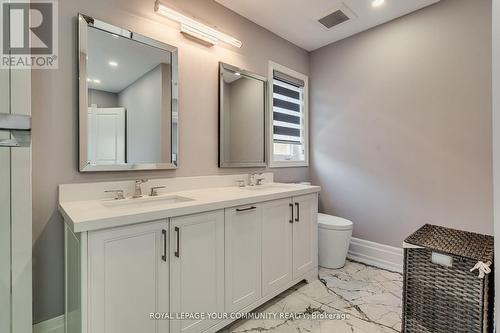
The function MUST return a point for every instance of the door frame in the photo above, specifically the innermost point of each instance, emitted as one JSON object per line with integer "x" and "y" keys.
{"x": 496, "y": 142}
{"x": 21, "y": 210}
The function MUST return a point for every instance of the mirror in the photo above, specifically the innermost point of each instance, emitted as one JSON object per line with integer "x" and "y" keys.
{"x": 127, "y": 100}
{"x": 242, "y": 116}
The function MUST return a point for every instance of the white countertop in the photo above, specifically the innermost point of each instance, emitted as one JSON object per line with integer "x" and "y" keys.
{"x": 88, "y": 215}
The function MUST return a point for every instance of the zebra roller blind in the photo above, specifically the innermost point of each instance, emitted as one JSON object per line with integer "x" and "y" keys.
{"x": 288, "y": 108}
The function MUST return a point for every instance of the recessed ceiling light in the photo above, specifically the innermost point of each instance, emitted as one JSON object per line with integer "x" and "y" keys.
{"x": 237, "y": 73}
{"x": 113, "y": 64}
{"x": 377, "y": 3}
{"x": 96, "y": 81}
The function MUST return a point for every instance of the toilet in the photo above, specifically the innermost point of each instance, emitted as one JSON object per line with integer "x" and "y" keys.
{"x": 334, "y": 236}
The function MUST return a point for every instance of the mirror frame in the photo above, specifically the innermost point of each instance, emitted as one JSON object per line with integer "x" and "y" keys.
{"x": 84, "y": 22}
{"x": 222, "y": 162}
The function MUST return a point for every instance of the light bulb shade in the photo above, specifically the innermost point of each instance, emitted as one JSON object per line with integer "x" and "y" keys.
{"x": 199, "y": 35}
{"x": 196, "y": 29}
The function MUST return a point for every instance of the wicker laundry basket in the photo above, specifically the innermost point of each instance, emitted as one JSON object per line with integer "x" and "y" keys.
{"x": 440, "y": 293}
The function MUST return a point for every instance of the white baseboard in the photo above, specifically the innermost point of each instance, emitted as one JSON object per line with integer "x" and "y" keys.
{"x": 54, "y": 325}
{"x": 375, "y": 254}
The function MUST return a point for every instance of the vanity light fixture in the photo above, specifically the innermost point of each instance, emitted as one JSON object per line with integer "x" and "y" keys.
{"x": 196, "y": 29}
{"x": 96, "y": 81}
{"x": 113, "y": 64}
{"x": 199, "y": 35}
{"x": 377, "y": 3}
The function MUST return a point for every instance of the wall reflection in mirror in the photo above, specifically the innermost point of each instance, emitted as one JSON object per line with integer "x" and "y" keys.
{"x": 242, "y": 114}
{"x": 129, "y": 85}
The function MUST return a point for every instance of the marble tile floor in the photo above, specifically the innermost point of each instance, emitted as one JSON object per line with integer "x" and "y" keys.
{"x": 368, "y": 298}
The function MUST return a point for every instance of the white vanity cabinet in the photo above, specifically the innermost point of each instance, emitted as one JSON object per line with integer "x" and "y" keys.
{"x": 128, "y": 276}
{"x": 277, "y": 231}
{"x": 305, "y": 234}
{"x": 198, "y": 260}
{"x": 243, "y": 256}
{"x": 196, "y": 268}
{"x": 289, "y": 241}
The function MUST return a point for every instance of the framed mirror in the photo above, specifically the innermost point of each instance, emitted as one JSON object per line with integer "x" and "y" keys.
{"x": 128, "y": 93}
{"x": 242, "y": 118}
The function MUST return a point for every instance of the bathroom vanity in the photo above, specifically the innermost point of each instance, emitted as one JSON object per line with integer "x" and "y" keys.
{"x": 202, "y": 247}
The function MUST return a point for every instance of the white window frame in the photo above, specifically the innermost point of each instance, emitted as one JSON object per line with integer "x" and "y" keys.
{"x": 285, "y": 70}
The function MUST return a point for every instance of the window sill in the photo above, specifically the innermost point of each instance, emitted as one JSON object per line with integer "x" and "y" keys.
{"x": 288, "y": 164}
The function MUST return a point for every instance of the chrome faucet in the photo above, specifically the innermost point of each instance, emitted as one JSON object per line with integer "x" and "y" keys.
{"x": 118, "y": 194}
{"x": 253, "y": 179}
{"x": 260, "y": 180}
{"x": 138, "y": 189}
{"x": 154, "y": 190}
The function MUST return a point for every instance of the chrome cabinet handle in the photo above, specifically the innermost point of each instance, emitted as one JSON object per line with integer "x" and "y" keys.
{"x": 245, "y": 209}
{"x": 297, "y": 218}
{"x": 164, "y": 256}
{"x": 178, "y": 232}
{"x": 291, "y": 218}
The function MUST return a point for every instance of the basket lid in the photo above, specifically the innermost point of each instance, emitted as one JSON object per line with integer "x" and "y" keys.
{"x": 456, "y": 242}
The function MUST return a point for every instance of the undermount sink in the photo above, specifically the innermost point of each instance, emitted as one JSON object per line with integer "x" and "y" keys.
{"x": 146, "y": 201}
{"x": 268, "y": 186}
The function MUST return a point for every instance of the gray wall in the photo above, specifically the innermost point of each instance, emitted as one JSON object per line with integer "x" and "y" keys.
{"x": 401, "y": 123}
{"x": 143, "y": 102}
{"x": 103, "y": 99}
{"x": 54, "y": 105}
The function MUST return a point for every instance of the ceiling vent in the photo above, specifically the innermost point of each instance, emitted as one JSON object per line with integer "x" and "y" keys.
{"x": 339, "y": 15}
{"x": 334, "y": 19}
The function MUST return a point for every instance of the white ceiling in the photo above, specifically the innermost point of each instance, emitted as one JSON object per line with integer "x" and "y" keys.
{"x": 297, "y": 20}
{"x": 134, "y": 60}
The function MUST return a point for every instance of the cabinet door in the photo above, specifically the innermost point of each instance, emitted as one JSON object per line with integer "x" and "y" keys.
{"x": 197, "y": 269}
{"x": 243, "y": 256}
{"x": 128, "y": 273}
{"x": 305, "y": 234}
{"x": 277, "y": 226}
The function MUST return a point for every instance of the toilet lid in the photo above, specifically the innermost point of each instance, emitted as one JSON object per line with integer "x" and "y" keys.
{"x": 333, "y": 222}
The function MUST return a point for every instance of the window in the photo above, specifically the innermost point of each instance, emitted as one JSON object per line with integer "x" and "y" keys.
{"x": 288, "y": 117}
